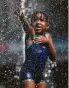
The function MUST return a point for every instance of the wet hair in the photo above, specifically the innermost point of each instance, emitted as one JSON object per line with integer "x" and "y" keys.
{"x": 42, "y": 15}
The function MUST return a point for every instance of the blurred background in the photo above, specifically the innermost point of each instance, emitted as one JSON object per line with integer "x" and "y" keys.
{"x": 11, "y": 41}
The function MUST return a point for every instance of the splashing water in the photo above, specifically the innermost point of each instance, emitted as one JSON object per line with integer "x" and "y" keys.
{"x": 18, "y": 67}
{"x": 23, "y": 36}
{"x": 23, "y": 5}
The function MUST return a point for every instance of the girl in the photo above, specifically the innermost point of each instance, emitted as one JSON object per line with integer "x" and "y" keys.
{"x": 39, "y": 46}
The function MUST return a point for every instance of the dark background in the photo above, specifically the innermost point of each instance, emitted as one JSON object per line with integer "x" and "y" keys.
{"x": 11, "y": 34}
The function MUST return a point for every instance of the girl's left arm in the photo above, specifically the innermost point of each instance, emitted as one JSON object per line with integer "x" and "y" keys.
{"x": 52, "y": 50}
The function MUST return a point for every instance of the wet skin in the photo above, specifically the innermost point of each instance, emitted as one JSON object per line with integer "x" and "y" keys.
{"x": 39, "y": 26}
{"x": 40, "y": 23}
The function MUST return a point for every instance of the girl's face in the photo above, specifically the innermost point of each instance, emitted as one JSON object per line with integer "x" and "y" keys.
{"x": 40, "y": 23}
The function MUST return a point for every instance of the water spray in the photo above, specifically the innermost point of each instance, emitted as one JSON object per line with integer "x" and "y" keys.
{"x": 23, "y": 36}
{"x": 18, "y": 65}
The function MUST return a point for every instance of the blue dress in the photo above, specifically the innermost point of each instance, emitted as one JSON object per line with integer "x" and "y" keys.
{"x": 36, "y": 56}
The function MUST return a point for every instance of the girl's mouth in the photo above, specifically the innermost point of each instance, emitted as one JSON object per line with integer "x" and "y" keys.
{"x": 38, "y": 29}
{"x": 39, "y": 26}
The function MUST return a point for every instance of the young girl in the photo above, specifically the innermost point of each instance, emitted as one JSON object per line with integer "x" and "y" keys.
{"x": 39, "y": 46}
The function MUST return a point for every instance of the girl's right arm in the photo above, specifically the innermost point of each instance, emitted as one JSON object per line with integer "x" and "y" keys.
{"x": 26, "y": 24}
{"x": 27, "y": 27}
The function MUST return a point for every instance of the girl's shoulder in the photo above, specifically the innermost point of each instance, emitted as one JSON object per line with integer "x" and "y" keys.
{"x": 47, "y": 34}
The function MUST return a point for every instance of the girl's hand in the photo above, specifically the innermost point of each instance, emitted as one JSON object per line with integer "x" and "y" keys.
{"x": 17, "y": 11}
{"x": 41, "y": 39}
{"x": 20, "y": 15}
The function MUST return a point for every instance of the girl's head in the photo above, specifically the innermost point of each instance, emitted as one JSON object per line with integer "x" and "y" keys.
{"x": 40, "y": 24}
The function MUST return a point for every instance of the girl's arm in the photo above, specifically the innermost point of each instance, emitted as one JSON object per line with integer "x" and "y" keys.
{"x": 25, "y": 23}
{"x": 46, "y": 39}
{"x": 52, "y": 51}
{"x": 51, "y": 45}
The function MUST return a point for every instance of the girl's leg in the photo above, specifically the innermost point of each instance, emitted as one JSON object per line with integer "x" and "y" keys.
{"x": 41, "y": 85}
{"x": 29, "y": 83}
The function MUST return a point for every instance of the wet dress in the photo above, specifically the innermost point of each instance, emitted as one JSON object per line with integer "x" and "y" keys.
{"x": 33, "y": 67}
